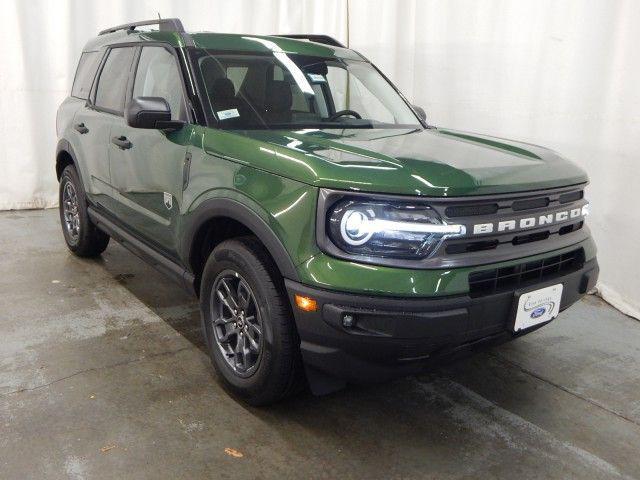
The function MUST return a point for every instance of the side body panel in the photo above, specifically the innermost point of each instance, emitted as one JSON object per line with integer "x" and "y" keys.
{"x": 68, "y": 138}
{"x": 90, "y": 149}
{"x": 147, "y": 182}
{"x": 148, "y": 178}
{"x": 285, "y": 206}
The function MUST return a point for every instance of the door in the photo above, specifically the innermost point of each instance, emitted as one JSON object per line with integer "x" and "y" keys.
{"x": 94, "y": 121}
{"x": 92, "y": 130}
{"x": 147, "y": 165}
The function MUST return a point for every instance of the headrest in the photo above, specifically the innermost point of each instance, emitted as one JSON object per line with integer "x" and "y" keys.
{"x": 223, "y": 89}
{"x": 210, "y": 70}
{"x": 278, "y": 98}
{"x": 319, "y": 68}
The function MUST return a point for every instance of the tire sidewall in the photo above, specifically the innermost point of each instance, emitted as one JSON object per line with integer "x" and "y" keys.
{"x": 69, "y": 175}
{"x": 231, "y": 259}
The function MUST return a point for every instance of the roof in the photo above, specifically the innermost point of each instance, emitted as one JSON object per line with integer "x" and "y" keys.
{"x": 224, "y": 41}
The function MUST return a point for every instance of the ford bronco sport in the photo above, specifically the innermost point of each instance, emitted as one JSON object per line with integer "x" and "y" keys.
{"x": 330, "y": 233}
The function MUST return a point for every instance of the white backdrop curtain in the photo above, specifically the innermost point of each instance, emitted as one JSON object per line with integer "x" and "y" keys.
{"x": 563, "y": 74}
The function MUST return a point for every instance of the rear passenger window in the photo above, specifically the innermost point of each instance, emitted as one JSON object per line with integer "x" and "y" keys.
{"x": 158, "y": 76}
{"x": 112, "y": 83}
{"x": 85, "y": 72}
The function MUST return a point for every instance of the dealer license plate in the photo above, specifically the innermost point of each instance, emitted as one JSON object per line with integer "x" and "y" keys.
{"x": 538, "y": 306}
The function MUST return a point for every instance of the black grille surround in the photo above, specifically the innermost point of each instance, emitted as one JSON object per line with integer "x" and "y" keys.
{"x": 529, "y": 206}
{"x": 475, "y": 248}
{"x": 487, "y": 282}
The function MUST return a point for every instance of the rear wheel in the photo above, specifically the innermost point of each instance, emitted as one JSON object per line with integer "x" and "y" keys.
{"x": 248, "y": 323}
{"x": 82, "y": 237}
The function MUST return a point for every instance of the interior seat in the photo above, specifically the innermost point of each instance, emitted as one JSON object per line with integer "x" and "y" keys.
{"x": 223, "y": 95}
{"x": 278, "y": 102}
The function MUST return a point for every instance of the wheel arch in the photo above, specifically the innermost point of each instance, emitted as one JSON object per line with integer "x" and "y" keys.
{"x": 66, "y": 156}
{"x": 240, "y": 219}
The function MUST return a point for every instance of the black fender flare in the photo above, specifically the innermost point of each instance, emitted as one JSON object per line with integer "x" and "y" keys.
{"x": 227, "y": 207}
{"x": 65, "y": 146}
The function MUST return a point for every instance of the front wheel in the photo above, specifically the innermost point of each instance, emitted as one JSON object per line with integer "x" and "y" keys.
{"x": 248, "y": 323}
{"x": 82, "y": 237}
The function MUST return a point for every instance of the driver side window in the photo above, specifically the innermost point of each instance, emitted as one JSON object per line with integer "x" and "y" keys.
{"x": 158, "y": 76}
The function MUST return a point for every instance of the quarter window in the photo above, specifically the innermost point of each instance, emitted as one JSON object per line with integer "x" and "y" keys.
{"x": 84, "y": 75}
{"x": 112, "y": 83}
{"x": 158, "y": 76}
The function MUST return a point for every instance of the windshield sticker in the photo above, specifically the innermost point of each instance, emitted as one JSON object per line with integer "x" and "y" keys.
{"x": 314, "y": 77}
{"x": 226, "y": 114}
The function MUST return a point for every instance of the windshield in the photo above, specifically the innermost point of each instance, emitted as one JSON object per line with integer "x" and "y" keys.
{"x": 287, "y": 91}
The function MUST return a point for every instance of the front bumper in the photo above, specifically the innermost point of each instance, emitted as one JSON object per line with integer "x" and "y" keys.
{"x": 396, "y": 336}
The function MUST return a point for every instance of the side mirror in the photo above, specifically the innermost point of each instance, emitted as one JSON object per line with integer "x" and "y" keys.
{"x": 151, "y": 113}
{"x": 421, "y": 113}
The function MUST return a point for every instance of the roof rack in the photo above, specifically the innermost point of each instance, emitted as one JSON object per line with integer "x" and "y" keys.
{"x": 326, "y": 39}
{"x": 164, "y": 24}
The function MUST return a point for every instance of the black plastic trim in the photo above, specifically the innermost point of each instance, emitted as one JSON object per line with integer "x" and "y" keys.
{"x": 394, "y": 336}
{"x": 186, "y": 171}
{"x": 324, "y": 39}
{"x": 142, "y": 250}
{"x": 164, "y": 25}
{"x": 226, "y": 207}
{"x": 65, "y": 146}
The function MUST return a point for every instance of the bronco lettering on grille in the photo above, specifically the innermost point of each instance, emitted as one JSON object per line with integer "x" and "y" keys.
{"x": 530, "y": 222}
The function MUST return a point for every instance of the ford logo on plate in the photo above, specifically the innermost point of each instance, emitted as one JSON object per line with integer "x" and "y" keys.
{"x": 538, "y": 312}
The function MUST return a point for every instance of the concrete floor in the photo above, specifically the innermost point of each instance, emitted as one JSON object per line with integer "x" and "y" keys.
{"x": 103, "y": 375}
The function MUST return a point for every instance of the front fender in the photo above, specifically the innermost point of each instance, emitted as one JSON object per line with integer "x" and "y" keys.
{"x": 232, "y": 204}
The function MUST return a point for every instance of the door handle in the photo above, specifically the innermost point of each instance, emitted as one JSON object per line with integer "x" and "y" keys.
{"x": 122, "y": 142}
{"x": 81, "y": 128}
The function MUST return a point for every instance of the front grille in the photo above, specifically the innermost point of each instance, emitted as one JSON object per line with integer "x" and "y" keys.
{"x": 471, "y": 210}
{"x": 466, "y": 247}
{"x": 572, "y": 197}
{"x": 520, "y": 241}
{"x": 520, "y": 205}
{"x": 471, "y": 245}
{"x": 486, "y": 282}
{"x": 531, "y": 237}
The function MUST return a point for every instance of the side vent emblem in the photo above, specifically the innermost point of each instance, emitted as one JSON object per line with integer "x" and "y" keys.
{"x": 168, "y": 200}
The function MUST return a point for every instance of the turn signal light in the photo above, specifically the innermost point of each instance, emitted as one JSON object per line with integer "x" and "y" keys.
{"x": 306, "y": 304}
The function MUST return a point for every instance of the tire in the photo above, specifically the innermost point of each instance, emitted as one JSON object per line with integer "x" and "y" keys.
{"x": 274, "y": 371}
{"x": 83, "y": 238}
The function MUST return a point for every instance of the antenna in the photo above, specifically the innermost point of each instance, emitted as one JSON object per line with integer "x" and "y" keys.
{"x": 159, "y": 17}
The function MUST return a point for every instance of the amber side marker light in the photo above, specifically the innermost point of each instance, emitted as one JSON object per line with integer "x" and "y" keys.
{"x": 305, "y": 303}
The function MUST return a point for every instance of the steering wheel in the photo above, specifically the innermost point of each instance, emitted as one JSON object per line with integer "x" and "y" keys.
{"x": 342, "y": 113}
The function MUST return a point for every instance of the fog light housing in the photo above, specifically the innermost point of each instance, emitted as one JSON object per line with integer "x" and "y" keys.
{"x": 348, "y": 320}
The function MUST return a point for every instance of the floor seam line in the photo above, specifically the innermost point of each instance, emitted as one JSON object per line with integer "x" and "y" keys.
{"x": 564, "y": 389}
{"x": 95, "y": 369}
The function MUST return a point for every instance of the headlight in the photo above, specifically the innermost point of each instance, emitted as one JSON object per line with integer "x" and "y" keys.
{"x": 388, "y": 229}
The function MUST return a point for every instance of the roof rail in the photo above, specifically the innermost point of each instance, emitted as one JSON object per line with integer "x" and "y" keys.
{"x": 326, "y": 39}
{"x": 164, "y": 24}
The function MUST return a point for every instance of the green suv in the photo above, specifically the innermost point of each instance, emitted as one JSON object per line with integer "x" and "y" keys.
{"x": 331, "y": 234}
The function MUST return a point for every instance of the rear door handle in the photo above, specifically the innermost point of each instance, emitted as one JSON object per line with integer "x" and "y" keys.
{"x": 81, "y": 128}
{"x": 122, "y": 142}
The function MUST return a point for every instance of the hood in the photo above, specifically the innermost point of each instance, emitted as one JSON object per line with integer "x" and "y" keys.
{"x": 434, "y": 162}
